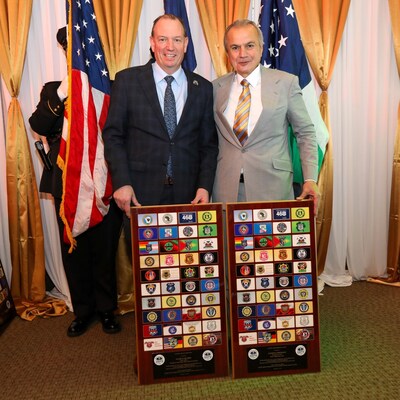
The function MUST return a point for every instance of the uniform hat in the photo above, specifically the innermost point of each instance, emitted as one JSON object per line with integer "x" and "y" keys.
{"x": 62, "y": 37}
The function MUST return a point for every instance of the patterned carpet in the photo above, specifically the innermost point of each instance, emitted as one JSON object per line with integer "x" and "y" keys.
{"x": 359, "y": 328}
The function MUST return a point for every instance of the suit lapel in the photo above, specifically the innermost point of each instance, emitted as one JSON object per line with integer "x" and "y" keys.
{"x": 146, "y": 80}
{"x": 221, "y": 102}
{"x": 193, "y": 87}
{"x": 268, "y": 99}
{"x": 223, "y": 93}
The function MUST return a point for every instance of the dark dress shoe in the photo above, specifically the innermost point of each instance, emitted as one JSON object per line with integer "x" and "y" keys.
{"x": 78, "y": 327}
{"x": 109, "y": 322}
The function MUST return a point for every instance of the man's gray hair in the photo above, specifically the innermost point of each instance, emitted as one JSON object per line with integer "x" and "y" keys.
{"x": 241, "y": 23}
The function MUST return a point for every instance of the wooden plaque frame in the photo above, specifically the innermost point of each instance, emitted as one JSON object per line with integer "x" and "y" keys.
{"x": 7, "y": 307}
{"x": 179, "y": 285}
{"x": 273, "y": 288}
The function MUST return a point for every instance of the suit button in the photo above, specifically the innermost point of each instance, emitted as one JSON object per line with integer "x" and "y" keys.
{"x": 243, "y": 150}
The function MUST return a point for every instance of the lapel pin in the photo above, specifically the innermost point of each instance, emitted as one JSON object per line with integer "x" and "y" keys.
{"x": 195, "y": 83}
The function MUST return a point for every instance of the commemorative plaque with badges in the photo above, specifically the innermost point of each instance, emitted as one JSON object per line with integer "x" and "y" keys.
{"x": 7, "y": 307}
{"x": 273, "y": 288}
{"x": 179, "y": 281}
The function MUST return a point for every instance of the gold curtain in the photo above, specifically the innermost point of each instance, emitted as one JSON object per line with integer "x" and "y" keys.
{"x": 118, "y": 22}
{"x": 394, "y": 222}
{"x": 118, "y": 25}
{"x": 215, "y": 16}
{"x": 25, "y": 226}
{"x": 394, "y": 8}
{"x": 321, "y": 24}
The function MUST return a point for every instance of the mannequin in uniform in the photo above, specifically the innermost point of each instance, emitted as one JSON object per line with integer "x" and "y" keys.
{"x": 90, "y": 268}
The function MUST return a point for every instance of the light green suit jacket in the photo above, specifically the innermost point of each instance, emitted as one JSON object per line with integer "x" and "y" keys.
{"x": 265, "y": 157}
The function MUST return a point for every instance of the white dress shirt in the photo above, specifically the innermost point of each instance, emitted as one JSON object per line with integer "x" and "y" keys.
{"x": 254, "y": 80}
{"x": 179, "y": 87}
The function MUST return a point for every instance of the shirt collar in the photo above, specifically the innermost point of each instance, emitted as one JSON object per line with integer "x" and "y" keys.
{"x": 253, "y": 78}
{"x": 159, "y": 74}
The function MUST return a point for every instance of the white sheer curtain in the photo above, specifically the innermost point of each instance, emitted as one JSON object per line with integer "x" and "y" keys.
{"x": 44, "y": 62}
{"x": 363, "y": 96}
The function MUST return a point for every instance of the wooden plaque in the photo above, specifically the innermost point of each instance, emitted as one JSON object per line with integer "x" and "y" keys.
{"x": 179, "y": 284}
{"x": 273, "y": 288}
{"x": 7, "y": 307}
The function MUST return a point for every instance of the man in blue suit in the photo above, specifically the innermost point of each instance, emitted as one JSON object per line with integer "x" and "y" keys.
{"x": 150, "y": 165}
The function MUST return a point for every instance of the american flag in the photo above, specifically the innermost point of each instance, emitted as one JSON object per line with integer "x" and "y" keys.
{"x": 178, "y": 8}
{"x": 284, "y": 50}
{"x": 86, "y": 183}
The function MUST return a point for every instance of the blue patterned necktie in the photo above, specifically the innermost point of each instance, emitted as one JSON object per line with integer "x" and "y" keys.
{"x": 169, "y": 115}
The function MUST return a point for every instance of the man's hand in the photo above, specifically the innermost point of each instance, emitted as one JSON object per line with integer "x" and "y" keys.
{"x": 310, "y": 191}
{"x": 202, "y": 196}
{"x": 124, "y": 197}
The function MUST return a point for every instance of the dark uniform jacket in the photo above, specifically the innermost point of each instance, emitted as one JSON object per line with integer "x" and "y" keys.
{"x": 47, "y": 120}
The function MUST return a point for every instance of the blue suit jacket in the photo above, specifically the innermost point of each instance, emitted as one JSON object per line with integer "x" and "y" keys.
{"x": 137, "y": 144}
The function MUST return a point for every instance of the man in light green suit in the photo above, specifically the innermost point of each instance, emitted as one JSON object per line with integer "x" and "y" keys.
{"x": 254, "y": 164}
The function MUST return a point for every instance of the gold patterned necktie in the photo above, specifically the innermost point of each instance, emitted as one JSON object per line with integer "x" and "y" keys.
{"x": 240, "y": 125}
